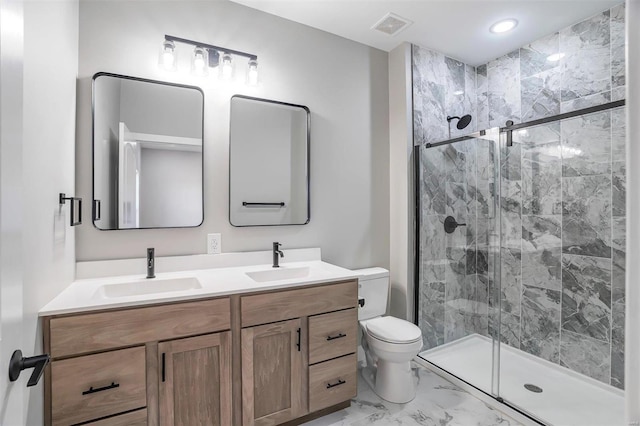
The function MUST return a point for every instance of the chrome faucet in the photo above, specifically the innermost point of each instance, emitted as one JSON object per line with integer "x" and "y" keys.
{"x": 276, "y": 252}
{"x": 151, "y": 263}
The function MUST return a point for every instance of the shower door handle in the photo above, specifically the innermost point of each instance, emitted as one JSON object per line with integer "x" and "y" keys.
{"x": 450, "y": 224}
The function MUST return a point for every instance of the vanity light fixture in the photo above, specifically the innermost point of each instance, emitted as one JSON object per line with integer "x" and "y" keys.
{"x": 206, "y": 56}
{"x": 503, "y": 26}
{"x": 252, "y": 74}
{"x": 227, "y": 66}
{"x": 199, "y": 61}
{"x": 168, "y": 55}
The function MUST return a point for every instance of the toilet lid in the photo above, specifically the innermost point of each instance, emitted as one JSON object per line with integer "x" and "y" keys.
{"x": 393, "y": 330}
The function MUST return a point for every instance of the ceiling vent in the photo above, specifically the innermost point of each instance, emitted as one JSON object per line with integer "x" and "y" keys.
{"x": 391, "y": 24}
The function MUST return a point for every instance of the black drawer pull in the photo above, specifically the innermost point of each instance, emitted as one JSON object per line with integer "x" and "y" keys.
{"x": 339, "y": 336}
{"x": 338, "y": 383}
{"x": 113, "y": 385}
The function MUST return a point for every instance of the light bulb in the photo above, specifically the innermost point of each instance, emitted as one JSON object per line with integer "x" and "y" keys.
{"x": 168, "y": 56}
{"x": 252, "y": 74}
{"x": 199, "y": 62}
{"x": 227, "y": 66}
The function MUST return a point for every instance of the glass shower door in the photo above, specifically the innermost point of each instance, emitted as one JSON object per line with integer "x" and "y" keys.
{"x": 458, "y": 300}
{"x": 563, "y": 265}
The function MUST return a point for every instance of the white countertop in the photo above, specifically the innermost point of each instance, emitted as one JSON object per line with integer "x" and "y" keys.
{"x": 84, "y": 295}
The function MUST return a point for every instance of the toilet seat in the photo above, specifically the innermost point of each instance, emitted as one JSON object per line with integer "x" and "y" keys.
{"x": 393, "y": 330}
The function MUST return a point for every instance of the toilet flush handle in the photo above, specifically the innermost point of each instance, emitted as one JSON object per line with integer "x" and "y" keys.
{"x": 361, "y": 302}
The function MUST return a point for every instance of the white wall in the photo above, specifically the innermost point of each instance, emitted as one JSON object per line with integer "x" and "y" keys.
{"x": 173, "y": 197}
{"x": 161, "y": 110}
{"x": 401, "y": 170}
{"x": 11, "y": 205}
{"x": 632, "y": 326}
{"x": 345, "y": 84}
{"x": 48, "y": 166}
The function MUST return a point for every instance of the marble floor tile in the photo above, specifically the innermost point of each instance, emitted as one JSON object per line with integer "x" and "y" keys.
{"x": 437, "y": 402}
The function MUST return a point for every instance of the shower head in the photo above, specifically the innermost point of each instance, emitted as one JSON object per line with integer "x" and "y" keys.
{"x": 462, "y": 121}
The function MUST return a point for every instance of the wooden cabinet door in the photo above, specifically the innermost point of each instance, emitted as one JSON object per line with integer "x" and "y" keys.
{"x": 195, "y": 380}
{"x": 273, "y": 373}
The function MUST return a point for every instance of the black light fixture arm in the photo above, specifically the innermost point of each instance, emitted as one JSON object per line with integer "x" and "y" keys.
{"x": 209, "y": 46}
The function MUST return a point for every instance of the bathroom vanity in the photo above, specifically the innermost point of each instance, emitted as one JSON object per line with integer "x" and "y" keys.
{"x": 256, "y": 355}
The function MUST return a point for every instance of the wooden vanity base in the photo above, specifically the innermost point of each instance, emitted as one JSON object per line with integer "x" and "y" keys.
{"x": 280, "y": 357}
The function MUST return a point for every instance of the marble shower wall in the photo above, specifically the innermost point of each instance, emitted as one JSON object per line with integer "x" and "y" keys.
{"x": 562, "y": 198}
{"x": 455, "y": 182}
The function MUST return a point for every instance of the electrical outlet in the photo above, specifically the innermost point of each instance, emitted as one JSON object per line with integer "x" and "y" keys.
{"x": 214, "y": 243}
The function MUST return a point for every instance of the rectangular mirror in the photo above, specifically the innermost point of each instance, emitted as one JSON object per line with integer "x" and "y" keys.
{"x": 147, "y": 153}
{"x": 268, "y": 163}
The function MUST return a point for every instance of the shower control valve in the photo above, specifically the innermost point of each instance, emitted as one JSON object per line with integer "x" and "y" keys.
{"x": 450, "y": 224}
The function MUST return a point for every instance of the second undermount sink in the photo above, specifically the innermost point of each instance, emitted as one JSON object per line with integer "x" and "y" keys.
{"x": 148, "y": 287}
{"x": 277, "y": 274}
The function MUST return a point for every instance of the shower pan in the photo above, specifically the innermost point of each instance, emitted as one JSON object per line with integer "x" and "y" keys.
{"x": 519, "y": 233}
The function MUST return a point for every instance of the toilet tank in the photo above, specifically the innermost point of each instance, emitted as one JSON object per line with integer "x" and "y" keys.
{"x": 373, "y": 287}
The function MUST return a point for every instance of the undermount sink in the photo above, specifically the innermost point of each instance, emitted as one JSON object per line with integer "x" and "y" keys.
{"x": 277, "y": 274}
{"x": 148, "y": 287}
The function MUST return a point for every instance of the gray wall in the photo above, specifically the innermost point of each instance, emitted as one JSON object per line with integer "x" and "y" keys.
{"x": 347, "y": 95}
{"x": 170, "y": 187}
{"x": 562, "y": 204}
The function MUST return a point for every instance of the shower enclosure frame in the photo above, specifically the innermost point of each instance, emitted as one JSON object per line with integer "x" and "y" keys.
{"x": 507, "y": 131}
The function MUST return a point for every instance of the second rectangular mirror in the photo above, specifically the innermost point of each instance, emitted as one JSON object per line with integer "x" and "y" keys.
{"x": 268, "y": 163}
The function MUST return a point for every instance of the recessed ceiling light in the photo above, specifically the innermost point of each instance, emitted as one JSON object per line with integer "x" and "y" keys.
{"x": 555, "y": 57}
{"x": 458, "y": 92}
{"x": 503, "y": 26}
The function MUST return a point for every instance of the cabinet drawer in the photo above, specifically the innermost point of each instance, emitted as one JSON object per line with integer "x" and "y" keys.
{"x": 332, "y": 335}
{"x": 283, "y": 305}
{"x": 94, "y": 386}
{"x": 332, "y": 382}
{"x": 135, "y": 418}
{"x": 79, "y": 334}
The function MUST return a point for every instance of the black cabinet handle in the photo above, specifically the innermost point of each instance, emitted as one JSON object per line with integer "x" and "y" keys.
{"x": 113, "y": 385}
{"x": 163, "y": 367}
{"x": 298, "y": 344}
{"x": 339, "y": 336}
{"x": 338, "y": 383}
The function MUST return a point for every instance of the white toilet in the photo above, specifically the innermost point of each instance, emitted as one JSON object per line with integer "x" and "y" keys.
{"x": 389, "y": 343}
